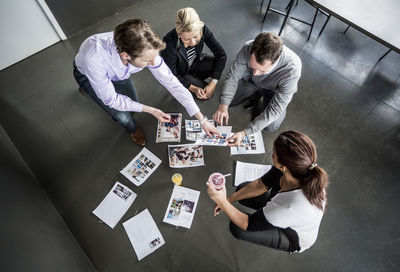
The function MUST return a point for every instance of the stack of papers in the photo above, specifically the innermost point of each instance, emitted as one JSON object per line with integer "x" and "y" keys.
{"x": 193, "y": 129}
{"x": 115, "y": 204}
{"x": 143, "y": 233}
{"x": 141, "y": 167}
{"x": 181, "y": 207}
{"x": 249, "y": 171}
{"x": 225, "y": 132}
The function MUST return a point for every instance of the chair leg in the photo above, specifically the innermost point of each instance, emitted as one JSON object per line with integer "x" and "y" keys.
{"x": 323, "y": 27}
{"x": 312, "y": 24}
{"x": 384, "y": 55}
{"x": 262, "y": 3}
{"x": 287, "y": 6}
{"x": 346, "y": 29}
{"x": 266, "y": 11}
{"x": 286, "y": 17}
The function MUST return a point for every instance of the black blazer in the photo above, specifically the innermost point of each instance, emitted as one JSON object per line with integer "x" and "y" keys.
{"x": 175, "y": 55}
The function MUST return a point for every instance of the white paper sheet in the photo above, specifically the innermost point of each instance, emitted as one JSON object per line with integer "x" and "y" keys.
{"x": 181, "y": 207}
{"x": 115, "y": 204}
{"x": 249, "y": 171}
{"x": 225, "y": 131}
{"x": 187, "y": 155}
{"x": 141, "y": 167}
{"x": 144, "y": 234}
{"x": 170, "y": 131}
{"x": 252, "y": 144}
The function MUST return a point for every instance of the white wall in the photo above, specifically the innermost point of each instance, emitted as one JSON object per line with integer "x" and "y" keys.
{"x": 24, "y": 30}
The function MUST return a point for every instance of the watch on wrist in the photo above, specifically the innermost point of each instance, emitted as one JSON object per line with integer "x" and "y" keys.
{"x": 205, "y": 119}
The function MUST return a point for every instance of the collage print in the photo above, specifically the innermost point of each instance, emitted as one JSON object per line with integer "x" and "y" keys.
{"x": 141, "y": 167}
{"x": 187, "y": 155}
{"x": 170, "y": 131}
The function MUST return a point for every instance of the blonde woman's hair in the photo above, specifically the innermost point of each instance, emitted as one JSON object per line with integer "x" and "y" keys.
{"x": 187, "y": 20}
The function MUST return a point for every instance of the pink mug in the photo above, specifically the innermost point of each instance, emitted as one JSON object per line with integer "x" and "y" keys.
{"x": 217, "y": 180}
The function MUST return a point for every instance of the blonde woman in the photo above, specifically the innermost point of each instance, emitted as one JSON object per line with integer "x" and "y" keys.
{"x": 183, "y": 54}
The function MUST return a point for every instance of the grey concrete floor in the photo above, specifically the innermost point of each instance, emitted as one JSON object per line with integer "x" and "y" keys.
{"x": 347, "y": 102}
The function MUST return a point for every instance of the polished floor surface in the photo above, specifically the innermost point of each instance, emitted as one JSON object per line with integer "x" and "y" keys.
{"x": 347, "y": 102}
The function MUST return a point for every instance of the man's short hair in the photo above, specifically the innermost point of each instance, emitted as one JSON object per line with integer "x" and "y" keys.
{"x": 267, "y": 46}
{"x": 134, "y": 36}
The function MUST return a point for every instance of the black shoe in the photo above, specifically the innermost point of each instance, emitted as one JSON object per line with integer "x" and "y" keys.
{"x": 252, "y": 102}
{"x": 251, "y": 105}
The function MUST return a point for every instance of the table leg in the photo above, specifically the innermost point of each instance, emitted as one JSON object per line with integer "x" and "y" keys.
{"x": 312, "y": 24}
{"x": 286, "y": 17}
{"x": 323, "y": 27}
{"x": 384, "y": 55}
{"x": 266, "y": 11}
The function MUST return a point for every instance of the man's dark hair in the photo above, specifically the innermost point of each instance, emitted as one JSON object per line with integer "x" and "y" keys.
{"x": 267, "y": 46}
{"x": 135, "y": 35}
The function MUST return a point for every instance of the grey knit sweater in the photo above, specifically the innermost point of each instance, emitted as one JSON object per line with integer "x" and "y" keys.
{"x": 282, "y": 80}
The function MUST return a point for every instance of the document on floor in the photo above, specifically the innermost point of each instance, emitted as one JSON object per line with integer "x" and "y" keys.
{"x": 143, "y": 234}
{"x": 252, "y": 144}
{"x": 187, "y": 155}
{"x": 193, "y": 129}
{"x": 170, "y": 131}
{"x": 215, "y": 140}
{"x": 181, "y": 207}
{"x": 115, "y": 204}
{"x": 249, "y": 171}
{"x": 141, "y": 167}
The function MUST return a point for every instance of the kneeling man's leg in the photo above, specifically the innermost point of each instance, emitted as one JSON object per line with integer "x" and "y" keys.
{"x": 246, "y": 90}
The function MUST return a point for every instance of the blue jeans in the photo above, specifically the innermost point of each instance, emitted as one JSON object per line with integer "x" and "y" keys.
{"x": 124, "y": 87}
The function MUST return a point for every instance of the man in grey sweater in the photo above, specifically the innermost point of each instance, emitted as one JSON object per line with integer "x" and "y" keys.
{"x": 263, "y": 67}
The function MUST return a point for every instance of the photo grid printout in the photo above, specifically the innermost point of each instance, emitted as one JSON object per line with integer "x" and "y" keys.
{"x": 181, "y": 207}
{"x": 143, "y": 234}
{"x": 249, "y": 171}
{"x": 170, "y": 131}
{"x": 215, "y": 140}
{"x": 252, "y": 144}
{"x": 141, "y": 167}
{"x": 115, "y": 204}
{"x": 193, "y": 129}
{"x": 187, "y": 155}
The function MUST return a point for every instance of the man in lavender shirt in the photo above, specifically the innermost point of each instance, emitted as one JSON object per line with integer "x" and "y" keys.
{"x": 103, "y": 66}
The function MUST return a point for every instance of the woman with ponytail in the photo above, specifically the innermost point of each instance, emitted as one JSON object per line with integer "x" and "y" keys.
{"x": 289, "y": 199}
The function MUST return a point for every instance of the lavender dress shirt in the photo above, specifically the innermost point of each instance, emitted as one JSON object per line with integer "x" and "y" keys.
{"x": 100, "y": 62}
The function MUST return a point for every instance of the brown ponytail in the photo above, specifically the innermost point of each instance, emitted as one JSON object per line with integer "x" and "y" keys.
{"x": 297, "y": 152}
